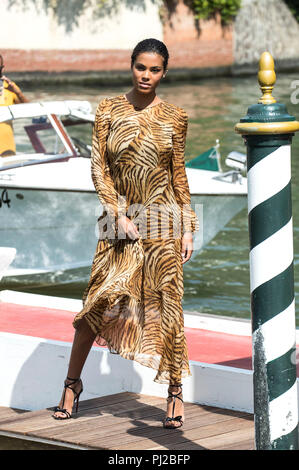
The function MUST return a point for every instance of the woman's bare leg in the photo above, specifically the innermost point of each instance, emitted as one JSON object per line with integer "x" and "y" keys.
{"x": 83, "y": 341}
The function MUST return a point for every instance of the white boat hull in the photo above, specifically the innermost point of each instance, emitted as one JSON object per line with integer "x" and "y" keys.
{"x": 54, "y": 231}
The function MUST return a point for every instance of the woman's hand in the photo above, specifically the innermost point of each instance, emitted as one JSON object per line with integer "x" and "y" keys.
{"x": 187, "y": 246}
{"x": 128, "y": 227}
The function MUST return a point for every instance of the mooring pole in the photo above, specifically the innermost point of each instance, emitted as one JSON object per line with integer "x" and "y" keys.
{"x": 268, "y": 130}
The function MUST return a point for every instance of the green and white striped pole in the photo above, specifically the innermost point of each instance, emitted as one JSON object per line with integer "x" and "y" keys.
{"x": 268, "y": 130}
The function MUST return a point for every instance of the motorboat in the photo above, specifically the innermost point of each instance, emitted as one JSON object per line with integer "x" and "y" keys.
{"x": 48, "y": 204}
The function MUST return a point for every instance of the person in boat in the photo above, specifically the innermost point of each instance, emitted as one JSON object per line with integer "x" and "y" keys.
{"x": 133, "y": 300}
{"x": 10, "y": 93}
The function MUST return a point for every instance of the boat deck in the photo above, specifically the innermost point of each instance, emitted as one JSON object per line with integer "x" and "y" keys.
{"x": 131, "y": 421}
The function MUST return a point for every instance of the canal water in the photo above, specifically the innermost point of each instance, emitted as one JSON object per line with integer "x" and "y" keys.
{"x": 216, "y": 281}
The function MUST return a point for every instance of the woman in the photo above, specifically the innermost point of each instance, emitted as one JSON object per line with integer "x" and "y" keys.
{"x": 133, "y": 298}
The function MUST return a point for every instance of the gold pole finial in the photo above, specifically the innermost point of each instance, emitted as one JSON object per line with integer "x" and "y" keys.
{"x": 266, "y": 78}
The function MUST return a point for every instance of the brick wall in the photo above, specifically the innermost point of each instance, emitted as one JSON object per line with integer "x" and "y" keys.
{"x": 182, "y": 55}
{"x": 17, "y": 60}
{"x": 212, "y": 46}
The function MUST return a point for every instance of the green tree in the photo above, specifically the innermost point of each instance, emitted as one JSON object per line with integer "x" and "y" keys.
{"x": 294, "y": 7}
{"x": 205, "y": 9}
{"x": 228, "y": 9}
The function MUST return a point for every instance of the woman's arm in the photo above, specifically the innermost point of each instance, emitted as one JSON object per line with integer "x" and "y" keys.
{"x": 189, "y": 220}
{"x": 113, "y": 202}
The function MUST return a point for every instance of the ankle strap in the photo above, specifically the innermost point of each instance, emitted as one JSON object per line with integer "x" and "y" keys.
{"x": 72, "y": 381}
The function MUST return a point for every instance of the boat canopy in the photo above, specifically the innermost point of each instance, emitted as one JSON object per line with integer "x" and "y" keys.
{"x": 209, "y": 160}
{"x": 76, "y": 108}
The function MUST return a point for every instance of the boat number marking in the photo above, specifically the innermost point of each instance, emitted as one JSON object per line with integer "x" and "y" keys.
{"x": 4, "y": 199}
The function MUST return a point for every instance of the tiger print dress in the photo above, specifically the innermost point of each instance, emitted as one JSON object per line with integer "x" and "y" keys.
{"x": 133, "y": 300}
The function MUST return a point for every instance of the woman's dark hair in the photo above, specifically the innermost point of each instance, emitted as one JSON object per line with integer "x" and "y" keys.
{"x": 151, "y": 45}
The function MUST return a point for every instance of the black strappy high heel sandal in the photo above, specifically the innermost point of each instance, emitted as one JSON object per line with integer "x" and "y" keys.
{"x": 180, "y": 419}
{"x": 76, "y": 398}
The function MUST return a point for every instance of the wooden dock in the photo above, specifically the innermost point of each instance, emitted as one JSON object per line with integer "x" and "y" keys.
{"x": 131, "y": 421}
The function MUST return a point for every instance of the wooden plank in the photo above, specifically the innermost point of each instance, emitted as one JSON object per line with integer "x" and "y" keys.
{"x": 116, "y": 425}
{"x": 17, "y": 420}
{"x": 146, "y": 430}
{"x": 247, "y": 444}
{"x": 99, "y": 418}
{"x": 173, "y": 438}
{"x": 6, "y": 412}
{"x": 43, "y": 418}
{"x": 109, "y": 425}
{"x": 39, "y": 420}
{"x": 87, "y": 404}
{"x": 87, "y": 426}
{"x": 217, "y": 440}
{"x": 113, "y": 399}
{"x": 223, "y": 440}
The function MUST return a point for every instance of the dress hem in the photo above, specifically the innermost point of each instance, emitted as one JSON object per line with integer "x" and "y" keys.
{"x": 184, "y": 372}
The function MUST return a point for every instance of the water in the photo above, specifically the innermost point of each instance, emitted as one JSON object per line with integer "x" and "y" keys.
{"x": 216, "y": 280}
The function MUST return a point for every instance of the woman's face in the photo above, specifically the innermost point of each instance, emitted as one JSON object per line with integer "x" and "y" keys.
{"x": 147, "y": 72}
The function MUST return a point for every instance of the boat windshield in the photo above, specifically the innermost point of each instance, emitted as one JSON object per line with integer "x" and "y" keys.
{"x": 37, "y": 135}
{"x": 32, "y": 140}
{"x": 26, "y": 140}
{"x": 80, "y": 132}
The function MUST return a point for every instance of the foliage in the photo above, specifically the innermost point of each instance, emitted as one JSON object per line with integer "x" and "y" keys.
{"x": 294, "y": 7}
{"x": 205, "y": 9}
{"x": 67, "y": 16}
{"x": 68, "y": 12}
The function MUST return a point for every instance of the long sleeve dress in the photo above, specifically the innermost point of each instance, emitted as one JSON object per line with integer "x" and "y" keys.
{"x": 133, "y": 300}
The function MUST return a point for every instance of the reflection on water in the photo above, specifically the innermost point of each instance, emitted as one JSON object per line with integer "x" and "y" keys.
{"x": 217, "y": 279}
